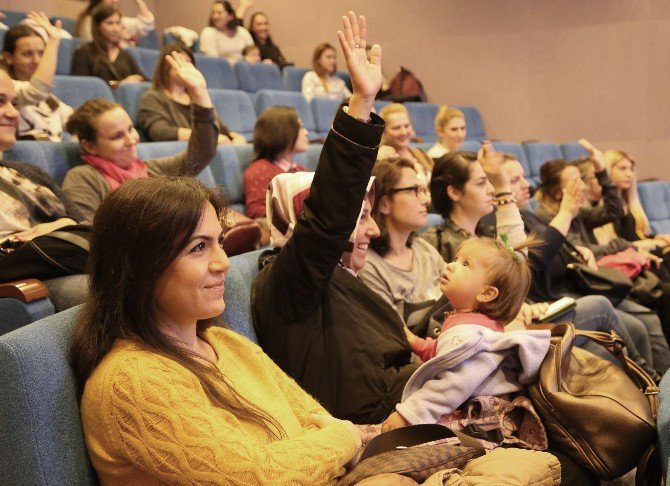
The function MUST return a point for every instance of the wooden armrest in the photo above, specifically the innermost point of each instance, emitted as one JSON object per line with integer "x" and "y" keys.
{"x": 24, "y": 290}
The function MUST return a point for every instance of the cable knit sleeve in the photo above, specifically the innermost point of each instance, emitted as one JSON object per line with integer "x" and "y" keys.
{"x": 167, "y": 429}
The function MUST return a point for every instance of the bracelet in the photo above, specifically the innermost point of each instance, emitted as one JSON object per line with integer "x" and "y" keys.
{"x": 501, "y": 194}
{"x": 362, "y": 120}
{"x": 504, "y": 200}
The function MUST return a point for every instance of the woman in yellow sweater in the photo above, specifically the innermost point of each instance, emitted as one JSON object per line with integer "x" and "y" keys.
{"x": 165, "y": 396}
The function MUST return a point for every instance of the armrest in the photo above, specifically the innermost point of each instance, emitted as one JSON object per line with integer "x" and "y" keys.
{"x": 24, "y": 290}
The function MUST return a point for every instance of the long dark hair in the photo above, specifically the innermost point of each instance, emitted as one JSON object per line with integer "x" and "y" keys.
{"x": 10, "y": 40}
{"x": 137, "y": 233}
{"x": 318, "y": 50}
{"x": 268, "y": 41}
{"x": 276, "y": 131}
{"x": 100, "y": 13}
{"x": 550, "y": 184}
{"x": 161, "y": 79}
{"x": 387, "y": 174}
{"x": 452, "y": 169}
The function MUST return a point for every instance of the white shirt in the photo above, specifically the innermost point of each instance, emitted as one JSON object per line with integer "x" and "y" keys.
{"x": 217, "y": 43}
{"x": 313, "y": 87}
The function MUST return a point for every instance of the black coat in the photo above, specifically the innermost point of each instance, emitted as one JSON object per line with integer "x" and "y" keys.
{"x": 322, "y": 325}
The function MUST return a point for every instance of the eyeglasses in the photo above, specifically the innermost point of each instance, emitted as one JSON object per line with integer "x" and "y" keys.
{"x": 417, "y": 189}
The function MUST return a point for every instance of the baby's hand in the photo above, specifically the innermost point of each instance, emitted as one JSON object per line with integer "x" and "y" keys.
{"x": 394, "y": 421}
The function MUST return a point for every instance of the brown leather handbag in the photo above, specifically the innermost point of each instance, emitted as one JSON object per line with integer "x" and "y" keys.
{"x": 601, "y": 415}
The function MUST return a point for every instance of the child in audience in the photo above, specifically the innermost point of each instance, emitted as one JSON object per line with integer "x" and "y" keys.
{"x": 225, "y": 36}
{"x": 105, "y": 57}
{"x": 252, "y": 54}
{"x": 322, "y": 82}
{"x": 31, "y": 63}
{"x": 166, "y": 109}
{"x": 451, "y": 130}
{"x": 486, "y": 284}
{"x": 133, "y": 28}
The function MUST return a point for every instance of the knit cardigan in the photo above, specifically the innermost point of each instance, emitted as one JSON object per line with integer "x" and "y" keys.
{"x": 148, "y": 421}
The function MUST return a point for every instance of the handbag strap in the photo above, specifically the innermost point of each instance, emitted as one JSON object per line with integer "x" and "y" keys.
{"x": 615, "y": 345}
{"x": 73, "y": 238}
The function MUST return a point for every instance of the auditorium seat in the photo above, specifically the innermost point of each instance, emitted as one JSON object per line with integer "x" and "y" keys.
{"x": 324, "y": 110}
{"x": 379, "y": 104}
{"x": 473, "y": 120}
{"x": 245, "y": 154}
{"x": 254, "y": 77}
{"x": 655, "y": 199}
{"x": 537, "y": 154}
{"x": 422, "y": 116}
{"x": 75, "y": 90}
{"x": 227, "y": 173}
{"x": 217, "y": 71}
{"x": 344, "y": 76}
{"x": 266, "y": 98}
{"x": 149, "y": 41}
{"x": 146, "y": 58}
{"x": 572, "y": 151}
{"x": 235, "y": 110}
{"x": 12, "y": 17}
{"x": 515, "y": 149}
{"x": 237, "y": 315}
{"x": 310, "y": 158}
{"x": 292, "y": 77}
{"x": 65, "y": 50}
{"x": 128, "y": 95}
{"x": 471, "y": 146}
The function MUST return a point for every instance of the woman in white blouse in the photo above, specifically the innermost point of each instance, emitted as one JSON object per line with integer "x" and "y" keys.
{"x": 322, "y": 81}
{"x": 225, "y": 36}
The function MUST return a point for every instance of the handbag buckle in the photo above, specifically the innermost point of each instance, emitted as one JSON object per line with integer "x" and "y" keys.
{"x": 651, "y": 390}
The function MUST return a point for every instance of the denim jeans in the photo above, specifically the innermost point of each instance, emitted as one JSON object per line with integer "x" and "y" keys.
{"x": 660, "y": 352}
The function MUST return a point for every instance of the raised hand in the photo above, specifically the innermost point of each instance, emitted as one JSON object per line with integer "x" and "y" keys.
{"x": 366, "y": 76}
{"x": 41, "y": 20}
{"x": 596, "y": 155}
{"x": 492, "y": 163}
{"x": 573, "y": 196}
{"x": 186, "y": 72}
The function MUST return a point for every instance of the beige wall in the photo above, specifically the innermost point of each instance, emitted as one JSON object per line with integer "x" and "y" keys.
{"x": 551, "y": 70}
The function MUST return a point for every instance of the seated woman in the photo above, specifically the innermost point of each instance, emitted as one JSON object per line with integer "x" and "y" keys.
{"x": 104, "y": 57}
{"x": 160, "y": 383}
{"x": 165, "y": 108}
{"x": 322, "y": 82}
{"x": 109, "y": 143}
{"x": 313, "y": 316}
{"x": 401, "y": 268}
{"x": 259, "y": 28}
{"x": 451, "y": 130}
{"x": 224, "y": 37}
{"x": 278, "y": 136}
{"x": 557, "y": 177}
{"x": 133, "y": 28}
{"x": 634, "y": 225}
{"x": 32, "y": 64}
{"x": 33, "y": 204}
{"x": 398, "y": 133}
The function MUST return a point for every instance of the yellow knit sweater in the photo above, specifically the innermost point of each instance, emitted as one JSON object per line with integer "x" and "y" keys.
{"x": 147, "y": 421}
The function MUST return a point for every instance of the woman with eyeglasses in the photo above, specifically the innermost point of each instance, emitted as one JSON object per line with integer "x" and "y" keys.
{"x": 402, "y": 269}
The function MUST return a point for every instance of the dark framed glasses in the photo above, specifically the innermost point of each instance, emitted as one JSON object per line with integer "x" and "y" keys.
{"x": 417, "y": 189}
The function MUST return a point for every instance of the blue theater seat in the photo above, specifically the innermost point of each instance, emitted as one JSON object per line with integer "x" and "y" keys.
{"x": 655, "y": 199}
{"x": 254, "y": 77}
{"x": 572, "y": 151}
{"x": 324, "y": 110}
{"x": 245, "y": 154}
{"x": 423, "y": 119}
{"x": 266, "y": 98}
{"x": 12, "y": 17}
{"x": 65, "y": 50}
{"x": 146, "y": 58}
{"x": 235, "y": 109}
{"x": 292, "y": 77}
{"x": 217, "y": 71}
{"x": 515, "y": 149}
{"x": 473, "y": 120}
{"x": 537, "y": 154}
{"x": 227, "y": 173}
{"x": 237, "y": 315}
{"x": 128, "y": 95}
{"x": 149, "y": 41}
{"x": 75, "y": 90}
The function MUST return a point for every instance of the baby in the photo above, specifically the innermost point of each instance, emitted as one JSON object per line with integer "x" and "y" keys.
{"x": 486, "y": 284}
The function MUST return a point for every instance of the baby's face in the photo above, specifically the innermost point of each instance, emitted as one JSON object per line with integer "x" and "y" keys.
{"x": 465, "y": 278}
